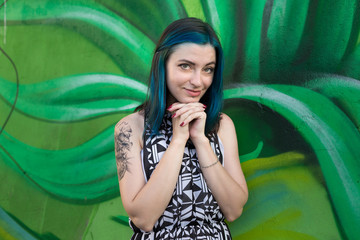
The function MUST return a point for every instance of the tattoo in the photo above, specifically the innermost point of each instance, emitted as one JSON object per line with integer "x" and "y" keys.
{"x": 122, "y": 148}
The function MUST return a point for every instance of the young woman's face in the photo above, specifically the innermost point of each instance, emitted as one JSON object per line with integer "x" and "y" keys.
{"x": 189, "y": 72}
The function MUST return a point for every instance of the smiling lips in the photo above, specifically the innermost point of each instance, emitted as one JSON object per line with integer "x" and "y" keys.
{"x": 193, "y": 93}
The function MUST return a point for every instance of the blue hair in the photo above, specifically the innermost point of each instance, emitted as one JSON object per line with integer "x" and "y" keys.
{"x": 187, "y": 30}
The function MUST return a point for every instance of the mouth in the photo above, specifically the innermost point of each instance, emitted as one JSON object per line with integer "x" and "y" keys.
{"x": 193, "y": 93}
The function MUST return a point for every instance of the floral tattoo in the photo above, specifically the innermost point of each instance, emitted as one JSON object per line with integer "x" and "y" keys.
{"x": 122, "y": 148}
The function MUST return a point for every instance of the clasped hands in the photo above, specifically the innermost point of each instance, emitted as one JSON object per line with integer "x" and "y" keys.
{"x": 188, "y": 121}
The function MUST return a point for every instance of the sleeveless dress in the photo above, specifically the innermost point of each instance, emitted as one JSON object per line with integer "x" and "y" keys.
{"x": 193, "y": 212}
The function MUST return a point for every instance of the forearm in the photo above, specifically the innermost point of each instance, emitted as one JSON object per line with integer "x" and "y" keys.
{"x": 230, "y": 196}
{"x": 152, "y": 200}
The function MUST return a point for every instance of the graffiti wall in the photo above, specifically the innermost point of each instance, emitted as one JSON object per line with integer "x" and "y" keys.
{"x": 69, "y": 70}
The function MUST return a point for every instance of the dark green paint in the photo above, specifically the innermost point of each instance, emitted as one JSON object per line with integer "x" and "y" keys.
{"x": 83, "y": 64}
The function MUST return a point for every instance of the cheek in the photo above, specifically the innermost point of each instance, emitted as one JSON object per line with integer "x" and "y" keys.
{"x": 208, "y": 82}
{"x": 177, "y": 78}
{"x": 173, "y": 84}
{"x": 170, "y": 78}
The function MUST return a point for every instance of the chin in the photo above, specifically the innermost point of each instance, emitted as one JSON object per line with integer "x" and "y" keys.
{"x": 191, "y": 100}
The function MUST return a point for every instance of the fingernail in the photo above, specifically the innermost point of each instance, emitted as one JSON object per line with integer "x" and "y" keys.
{"x": 169, "y": 107}
{"x": 204, "y": 106}
{"x": 173, "y": 115}
{"x": 182, "y": 124}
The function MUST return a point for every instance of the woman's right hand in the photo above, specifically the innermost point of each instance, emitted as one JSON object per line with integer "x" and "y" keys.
{"x": 179, "y": 132}
{"x": 182, "y": 115}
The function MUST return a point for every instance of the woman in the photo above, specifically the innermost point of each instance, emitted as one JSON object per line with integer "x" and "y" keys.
{"x": 177, "y": 155}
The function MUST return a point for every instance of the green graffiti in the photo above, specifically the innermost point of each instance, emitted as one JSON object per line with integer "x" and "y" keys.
{"x": 69, "y": 70}
{"x": 75, "y": 98}
{"x": 304, "y": 109}
{"x": 10, "y": 229}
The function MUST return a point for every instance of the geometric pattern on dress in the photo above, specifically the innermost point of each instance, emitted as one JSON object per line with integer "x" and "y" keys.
{"x": 192, "y": 212}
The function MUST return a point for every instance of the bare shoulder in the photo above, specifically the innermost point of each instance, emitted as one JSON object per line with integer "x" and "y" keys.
{"x": 132, "y": 123}
{"x": 135, "y": 120}
{"x": 226, "y": 125}
{"x": 225, "y": 119}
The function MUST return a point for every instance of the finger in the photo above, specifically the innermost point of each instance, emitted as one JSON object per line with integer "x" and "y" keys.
{"x": 176, "y": 106}
{"x": 188, "y": 109}
{"x": 184, "y": 112}
{"x": 193, "y": 116}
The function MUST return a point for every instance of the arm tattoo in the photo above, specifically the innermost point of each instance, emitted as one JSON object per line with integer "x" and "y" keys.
{"x": 122, "y": 148}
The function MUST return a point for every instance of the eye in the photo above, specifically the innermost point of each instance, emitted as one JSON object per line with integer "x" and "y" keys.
{"x": 184, "y": 66}
{"x": 209, "y": 70}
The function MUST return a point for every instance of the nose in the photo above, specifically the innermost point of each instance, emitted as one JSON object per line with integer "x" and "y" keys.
{"x": 196, "y": 79}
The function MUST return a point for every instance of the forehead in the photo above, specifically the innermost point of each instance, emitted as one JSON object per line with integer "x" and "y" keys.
{"x": 201, "y": 53}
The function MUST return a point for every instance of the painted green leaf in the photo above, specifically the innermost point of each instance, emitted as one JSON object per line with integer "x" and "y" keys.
{"x": 350, "y": 65}
{"x": 253, "y": 154}
{"x": 283, "y": 30}
{"x": 75, "y": 98}
{"x": 194, "y": 8}
{"x": 330, "y": 33}
{"x": 251, "y": 22}
{"x": 151, "y": 17}
{"x": 343, "y": 91}
{"x": 339, "y": 162}
{"x": 83, "y": 173}
{"x": 130, "y": 48}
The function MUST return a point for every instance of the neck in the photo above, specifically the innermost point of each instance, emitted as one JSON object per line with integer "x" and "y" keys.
{"x": 170, "y": 100}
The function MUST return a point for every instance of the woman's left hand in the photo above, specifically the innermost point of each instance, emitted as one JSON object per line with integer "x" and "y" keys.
{"x": 192, "y": 114}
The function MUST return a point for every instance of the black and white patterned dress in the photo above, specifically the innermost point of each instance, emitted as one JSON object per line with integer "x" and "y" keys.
{"x": 193, "y": 212}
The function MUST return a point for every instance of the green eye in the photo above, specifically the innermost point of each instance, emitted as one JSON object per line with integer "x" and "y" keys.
{"x": 209, "y": 70}
{"x": 184, "y": 66}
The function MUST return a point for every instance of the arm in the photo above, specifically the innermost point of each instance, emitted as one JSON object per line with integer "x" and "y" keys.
{"x": 145, "y": 202}
{"x": 227, "y": 183}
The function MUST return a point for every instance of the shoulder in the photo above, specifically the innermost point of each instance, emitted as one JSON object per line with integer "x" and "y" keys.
{"x": 131, "y": 124}
{"x": 226, "y": 126}
{"x": 136, "y": 120}
{"x": 225, "y": 121}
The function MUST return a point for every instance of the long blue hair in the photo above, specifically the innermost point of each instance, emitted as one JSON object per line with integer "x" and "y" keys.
{"x": 186, "y": 30}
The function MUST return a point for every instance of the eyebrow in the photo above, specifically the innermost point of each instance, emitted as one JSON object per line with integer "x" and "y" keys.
{"x": 192, "y": 63}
